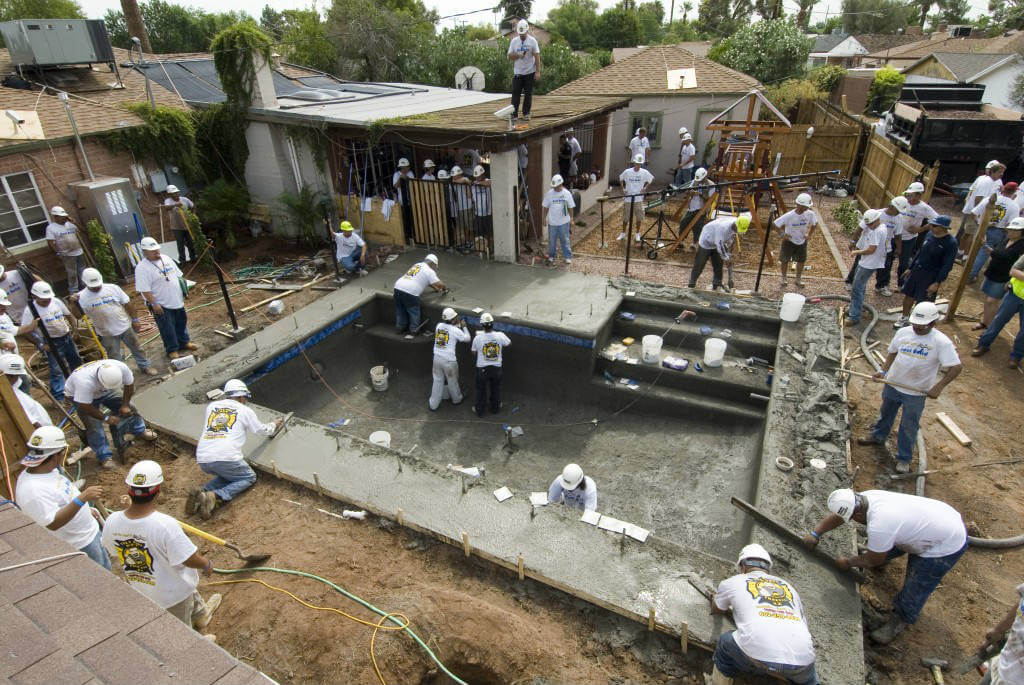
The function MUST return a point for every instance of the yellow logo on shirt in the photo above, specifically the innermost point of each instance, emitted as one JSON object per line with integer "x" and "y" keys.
{"x": 491, "y": 350}
{"x": 770, "y": 591}
{"x": 441, "y": 338}
{"x": 411, "y": 273}
{"x": 221, "y": 420}
{"x": 135, "y": 558}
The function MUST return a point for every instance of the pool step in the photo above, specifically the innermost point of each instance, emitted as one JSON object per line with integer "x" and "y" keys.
{"x": 742, "y": 342}
{"x": 674, "y": 402}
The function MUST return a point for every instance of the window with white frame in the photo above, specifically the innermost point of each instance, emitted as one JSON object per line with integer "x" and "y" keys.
{"x": 23, "y": 217}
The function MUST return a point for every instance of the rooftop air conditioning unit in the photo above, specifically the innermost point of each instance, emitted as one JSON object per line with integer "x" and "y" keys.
{"x": 50, "y": 42}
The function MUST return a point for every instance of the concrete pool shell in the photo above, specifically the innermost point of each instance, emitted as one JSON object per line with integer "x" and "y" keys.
{"x": 666, "y": 457}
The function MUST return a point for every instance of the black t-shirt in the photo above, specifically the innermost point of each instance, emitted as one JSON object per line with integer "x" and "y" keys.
{"x": 1001, "y": 260}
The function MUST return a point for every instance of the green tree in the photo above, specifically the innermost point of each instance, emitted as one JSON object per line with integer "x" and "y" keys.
{"x": 305, "y": 41}
{"x": 827, "y": 77}
{"x": 480, "y": 32}
{"x": 768, "y": 50}
{"x": 516, "y": 8}
{"x": 876, "y": 16}
{"x": 173, "y": 28}
{"x": 40, "y": 9}
{"x": 721, "y": 18}
{"x": 562, "y": 65}
{"x": 884, "y": 90}
{"x": 575, "y": 21}
{"x": 271, "y": 22}
{"x": 619, "y": 27}
{"x": 827, "y": 26}
{"x": 390, "y": 36}
{"x": 786, "y": 96}
{"x": 650, "y": 16}
{"x": 954, "y": 11}
{"x": 803, "y": 15}
{"x": 680, "y": 32}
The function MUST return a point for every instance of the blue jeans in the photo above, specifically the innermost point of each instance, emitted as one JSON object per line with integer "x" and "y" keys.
{"x": 66, "y": 349}
{"x": 173, "y": 327}
{"x": 1010, "y": 305}
{"x": 683, "y": 176}
{"x": 994, "y": 237}
{"x": 913, "y": 407}
{"x": 407, "y": 311}
{"x": 352, "y": 261}
{"x": 732, "y": 662}
{"x": 860, "y": 286}
{"x": 112, "y": 346}
{"x": 230, "y": 478}
{"x": 73, "y": 267}
{"x": 923, "y": 576}
{"x": 907, "y": 248}
{"x": 559, "y": 235}
{"x": 96, "y": 436}
{"x": 94, "y": 550}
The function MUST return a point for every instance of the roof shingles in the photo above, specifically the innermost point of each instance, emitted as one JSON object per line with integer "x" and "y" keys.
{"x": 965, "y": 66}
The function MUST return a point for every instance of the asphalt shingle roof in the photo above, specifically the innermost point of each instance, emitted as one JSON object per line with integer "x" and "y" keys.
{"x": 966, "y": 66}
{"x": 828, "y": 41}
{"x": 873, "y": 42}
{"x": 925, "y": 47}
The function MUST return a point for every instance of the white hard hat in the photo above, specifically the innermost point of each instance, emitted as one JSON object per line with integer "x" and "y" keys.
{"x": 687, "y": 136}
{"x": 924, "y": 313}
{"x": 700, "y": 174}
{"x": 915, "y": 187}
{"x": 993, "y": 164}
{"x": 109, "y": 376}
{"x": 572, "y": 476}
{"x": 448, "y": 314}
{"x": 871, "y": 216}
{"x": 842, "y": 502}
{"x": 149, "y": 243}
{"x": 683, "y": 130}
{"x": 12, "y": 364}
{"x": 92, "y": 277}
{"x": 403, "y": 162}
{"x": 754, "y": 551}
{"x": 144, "y": 475}
{"x": 638, "y": 131}
{"x": 43, "y": 442}
{"x": 442, "y": 175}
{"x": 478, "y": 170}
{"x": 432, "y": 258}
{"x": 172, "y": 188}
{"x": 486, "y": 317}
{"x": 1014, "y": 225}
{"x": 42, "y": 290}
{"x": 804, "y": 200}
{"x": 428, "y": 163}
{"x": 456, "y": 170}
{"x": 522, "y": 27}
{"x": 900, "y": 203}
{"x": 3, "y": 298}
{"x": 1, "y": 269}
{"x": 557, "y": 180}
{"x": 57, "y": 210}
{"x": 236, "y": 388}
{"x": 638, "y": 159}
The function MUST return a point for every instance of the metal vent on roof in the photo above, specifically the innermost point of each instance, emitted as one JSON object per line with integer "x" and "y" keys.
{"x": 311, "y": 95}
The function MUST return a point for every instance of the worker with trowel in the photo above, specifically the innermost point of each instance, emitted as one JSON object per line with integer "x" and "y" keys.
{"x": 1007, "y": 667}
{"x": 448, "y": 333}
{"x": 931, "y": 533}
{"x": 716, "y": 241}
{"x": 487, "y": 345}
{"x": 771, "y": 636}
{"x": 219, "y": 451}
{"x": 573, "y": 489}
{"x": 408, "y": 289}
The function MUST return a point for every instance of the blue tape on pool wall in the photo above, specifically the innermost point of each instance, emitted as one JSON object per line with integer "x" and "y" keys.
{"x": 309, "y": 342}
{"x": 536, "y": 333}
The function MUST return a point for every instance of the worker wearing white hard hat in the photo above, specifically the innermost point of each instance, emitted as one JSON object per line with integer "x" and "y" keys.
{"x": 450, "y": 331}
{"x": 7, "y": 323}
{"x": 58, "y": 322}
{"x": 915, "y": 226}
{"x": 428, "y": 170}
{"x": 699, "y": 191}
{"x": 178, "y": 208}
{"x": 405, "y": 172}
{"x": 407, "y": 291}
{"x": 639, "y": 144}
{"x": 14, "y": 286}
{"x": 524, "y": 53}
{"x": 49, "y": 498}
{"x": 488, "y": 345}
{"x": 984, "y": 186}
{"x": 219, "y": 451}
{"x": 892, "y": 219}
{"x": 931, "y": 533}
{"x": 14, "y": 369}
{"x": 62, "y": 237}
{"x": 350, "y": 249}
{"x": 717, "y": 239}
{"x": 161, "y": 284}
{"x": 559, "y": 208}
{"x": 797, "y": 226}
{"x": 772, "y": 638}
{"x": 576, "y": 151}
{"x": 483, "y": 224}
{"x": 113, "y": 317}
{"x": 157, "y": 557}
{"x": 461, "y": 202}
{"x": 870, "y": 256}
{"x": 687, "y": 159}
{"x": 634, "y": 181}
{"x": 573, "y": 489}
{"x": 1004, "y": 210}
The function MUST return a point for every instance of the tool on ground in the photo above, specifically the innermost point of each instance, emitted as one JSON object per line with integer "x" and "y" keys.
{"x": 248, "y": 558}
{"x": 987, "y": 651}
{"x": 284, "y": 423}
{"x": 936, "y": 666}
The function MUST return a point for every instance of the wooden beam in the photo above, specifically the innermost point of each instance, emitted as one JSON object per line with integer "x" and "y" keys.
{"x": 954, "y": 429}
{"x": 979, "y": 240}
{"x": 279, "y": 296}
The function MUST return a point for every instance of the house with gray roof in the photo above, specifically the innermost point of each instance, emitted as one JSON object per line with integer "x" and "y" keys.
{"x": 995, "y": 71}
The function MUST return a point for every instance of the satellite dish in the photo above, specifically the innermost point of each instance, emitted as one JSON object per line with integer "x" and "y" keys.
{"x": 469, "y": 78}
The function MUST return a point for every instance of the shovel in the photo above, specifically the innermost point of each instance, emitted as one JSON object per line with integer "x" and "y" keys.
{"x": 247, "y": 558}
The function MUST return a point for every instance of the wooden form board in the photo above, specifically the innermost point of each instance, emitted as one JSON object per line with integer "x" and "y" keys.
{"x": 15, "y": 430}
{"x": 954, "y": 429}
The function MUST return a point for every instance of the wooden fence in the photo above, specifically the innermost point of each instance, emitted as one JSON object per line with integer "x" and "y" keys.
{"x": 887, "y": 171}
{"x": 833, "y": 145}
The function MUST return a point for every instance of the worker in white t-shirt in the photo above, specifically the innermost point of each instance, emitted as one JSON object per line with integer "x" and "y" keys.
{"x": 639, "y": 145}
{"x": 487, "y": 345}
{"x": 916, "y": 353}
{"x": 351, "y": 249}
{"x": 700, "y": 191}
{"x": 577, "y": 150}
{"x": 60, "y": 324}
{"x": 481, "y": 194}
{"x": 524, "y": 53}
{"x": 47, "y": 496}
{"x": 984, "y": 186}
{"x": 573, "y": 489}
{"x": 404, "y": 171}
{"x": 450, "y": 331}
{"x": 14, "y": 285}
{"x": 428, "y": 170}
{"x": 176, "y": 204}
{"x": 931, "y": 533}
{"x": 1007, "y": 667}
{"x": 157, "y": 558}
{"x": 716, "y": 242}
{"x": 461, "y": 189}
{"x": 870, "y": 251}
{"x": 797, "y": 228}
{"x": 113, "y": 318}
{"x": 156, "y": 279}
{"x": 62, "y": 237}
{"x": 687, "y": 158}
{"x": 558, "y": 205}
{"x": 634, "y": 182}
{"x": 1004, "y": 210}
{"x": 13, "y": 367}
{"x": 771, "y": 637}
{"x": 219, "y": 450}
{"x": 916, "y": 219}
{"x": 408, "y": 289}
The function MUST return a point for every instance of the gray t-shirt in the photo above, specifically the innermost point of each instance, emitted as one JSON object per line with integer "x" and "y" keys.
{"x": 527, "y": 49}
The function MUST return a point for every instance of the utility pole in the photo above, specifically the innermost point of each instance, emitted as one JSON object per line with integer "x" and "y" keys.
{"x": 133, "y": 20}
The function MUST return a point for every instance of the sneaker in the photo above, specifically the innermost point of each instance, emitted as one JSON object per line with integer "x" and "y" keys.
{"x": 888, "y": 632}
{"x": 211, "y": 637}
{"x": 978, "y": 351}
{"x": 107, "y": 464}
{"x": 525, "y": 118}
{"x": 364, "y": 272}
{"x": 200, "y": 621}
{"x": 568, "y": 261}
{"x": 207, "y": 503}
{"x": 884, "y": 292}
{"x": 128, "y": 439}
{"x": 869, "y": 440}
{"x": 902, "y": 467}
{"x": 195, "y": 495}
{"x": 622, "y": 236}
{"x": 149, "y": 371}
{"x": 901, "y": 322}
{"x": 147, "y": 435}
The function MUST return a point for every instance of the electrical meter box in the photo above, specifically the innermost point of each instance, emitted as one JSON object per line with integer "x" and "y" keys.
{"x": 112, "y": 201}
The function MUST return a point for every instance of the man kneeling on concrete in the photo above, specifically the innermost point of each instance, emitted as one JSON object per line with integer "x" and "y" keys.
{"x": 930, "y": 532}
{"x": 771, "y": 636}
{"x": 408, "y": 289}
{"x": 219, "y": 452}
{"x": 157, "y": 557}
{"x": 447, "y": 335}
{"x": 573, "y": 489}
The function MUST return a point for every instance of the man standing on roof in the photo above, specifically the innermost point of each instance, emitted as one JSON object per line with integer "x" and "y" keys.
{"x": 351, "y": 250}
{"x": 524, "y": 53}
{"x": 157, "y": 280}
{"x": 59, "y": 323}
{"x": 984, "y": 185}
{"x": 177, "y": 204}
{"x": 573, "y": 489}
{"x": 113, "y": 317}
{"x": 771, "y": 637}
{"x": 62, "y": 237}
{"x": 1004, "y": 211}
{"x": 488, "y": 344}
{"x": 929, "y": 267}
{"x": 687, "y": 158}
{"x": 716, "y": 241}
{"x": 915, "y": 225}
{"x": 634, "y": 182}
{"x": 930, "y": 532}
{"x": 797, "y": 228}
{"x": 408, "y": 289}
{"x": 445, "y": 372}
{"x": 639, "y": 145}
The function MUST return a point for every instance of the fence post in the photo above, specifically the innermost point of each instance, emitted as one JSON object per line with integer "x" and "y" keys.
{"x": 979, "y": 240}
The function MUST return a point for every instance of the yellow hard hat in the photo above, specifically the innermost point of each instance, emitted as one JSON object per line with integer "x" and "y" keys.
{"x": 346, "y": 226}
{"x": 742, "y": 223}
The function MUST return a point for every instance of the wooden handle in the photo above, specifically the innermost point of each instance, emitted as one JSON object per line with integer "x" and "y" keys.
{"x": 887, "y": 382}
{"x": 202, "y": 533}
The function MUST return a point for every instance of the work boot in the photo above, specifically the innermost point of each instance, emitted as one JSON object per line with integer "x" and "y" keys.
{"x": 1013, "y": 363}
{"x": 190, "y": 346}
{"x": 194, "y": 498}
{"x": 901, "y": 322}
{"x": 884, "y": 292}
{"x": 149, "y": 371}
{"x": 148, "y": 435}
{"x": 902, "y": 466}
{"x": 888, "y": 632}
{"x": 978, "y": 351}
{"x": 107, "y": 464}
{"x": 207, "y": 503}
{"x": 718, "y": 678}
{"x": 200, "y": 621}
{"x": 869, "y": 440}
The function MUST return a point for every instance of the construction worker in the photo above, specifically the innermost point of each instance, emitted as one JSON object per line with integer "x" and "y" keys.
{"x": 7, "y": 324}
{"x": 13, "y": 367}
{"x": 771, "y": 637}
{"x": 701, "y": 192}
{"x": 892, "y": 221}
{"x": 113, "y": 318}
{"x": 219, "y": 450}
{"x": 687, "y": 158}
{"x": 1004, "y": 210}
{"x": 408, "y": 289}
{"x": 984, "y": 186}
{"x": 404, "y": 171}
{"x": 46, "y": 495}
{"x": 573, "y": 489}
{"x": 462, "y": 201}
{"x": 109, "y": 384}
{"x": 524, "y": 53}
{"x": 157, "y": 280}
{"x": 931, "y": 533}
{"x": 62, "y": 237}
{"x": 797, "y": 226}
{"x": 481, "y": 203}
{"x": 997, "y": 275}
{"x": 59, "y": 323}
{"x": 445, "y": 371}
{"x": 929, "y": 267}
{"x": 351, "y": 249}
{"x": 157, "y": 557}
{"x": 487, "y": 345}
{"x": 14, "y": 285}
{"x": 1007, "y": 667}
{"x": 559, "y": 209}
{"x": 915, "y": 224}
{"x": 639, "y": 145}
{"x": 577, "y": 151}
{"x": 1012, "y": 304}
{"x": 911, "y": 374}
{"x": 428, "y": 170}
{"x": 634, "y": 181}
{"x": 716, "y": 241}
{"x": 870, "y": 250}
{"x": 176, "y": 205}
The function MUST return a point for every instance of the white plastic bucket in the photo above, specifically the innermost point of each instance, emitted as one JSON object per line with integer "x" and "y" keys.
{"x": 792, "y": 305}
{"x": 651, "y": 353}
{"x": 379, "y": 378}
{"x": 714, "y": 350}
{"x": 382, "y": 438}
